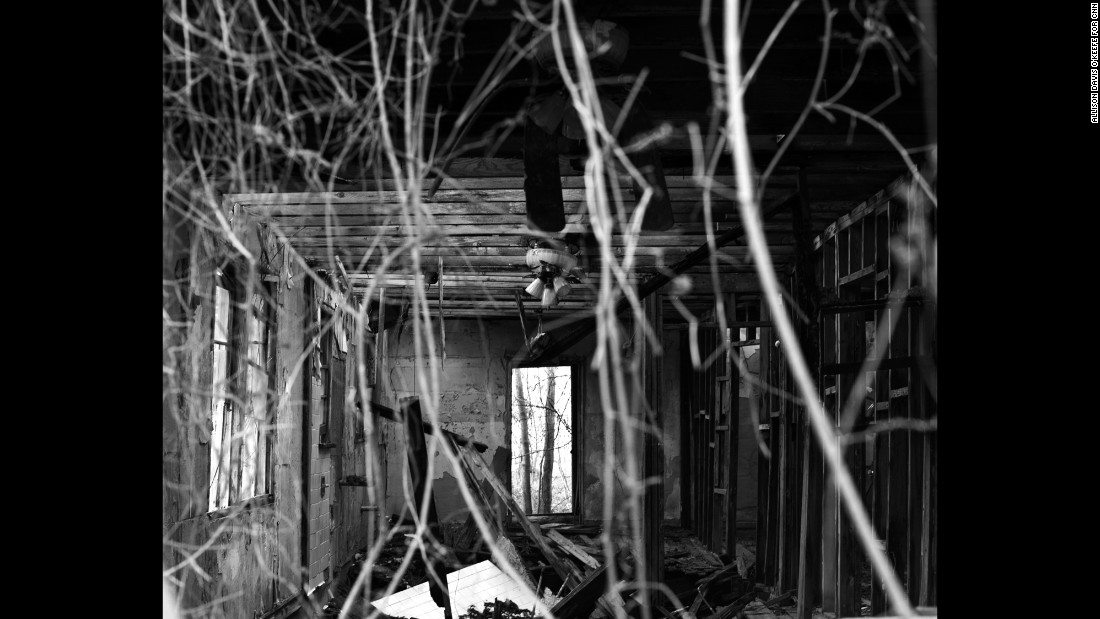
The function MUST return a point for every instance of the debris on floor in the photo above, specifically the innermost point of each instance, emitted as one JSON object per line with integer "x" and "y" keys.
{"x": 468, "y": 587}
{"x": 707, "y": 585}
{"x": 498, "y": 610}
{"x": 689, "y": 556}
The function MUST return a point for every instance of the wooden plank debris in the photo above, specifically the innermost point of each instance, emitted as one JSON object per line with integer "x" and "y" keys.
{"x": 728, "y": 612}
{"x": 582, "y": 599}
{"x": 780, "y": 599}
{"x": 573, "y": 549}
{"x": 745, "y": 560}
{"x": 565, "y": 569}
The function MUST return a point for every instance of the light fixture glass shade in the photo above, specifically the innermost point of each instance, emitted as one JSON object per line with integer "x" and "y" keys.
{"x": 535, "y": 288}
{"x": 562, "y": 287}
{"x": 554, "y": 257}
{"x": 549, "y": 298}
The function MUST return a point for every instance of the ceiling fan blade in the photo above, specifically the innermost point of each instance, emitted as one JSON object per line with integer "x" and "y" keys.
{"x": 658, "y": 215}
{"x": 547, "y": 111}
{"x": 542, "y": 178}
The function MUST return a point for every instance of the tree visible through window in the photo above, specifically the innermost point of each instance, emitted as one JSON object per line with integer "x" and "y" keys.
{"x": 542, "y": 439}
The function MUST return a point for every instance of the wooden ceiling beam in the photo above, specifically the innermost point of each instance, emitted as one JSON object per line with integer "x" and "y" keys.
{"x": 503, "y": 237}
{"x": 486, "y": 231}
{"x": 316, "y": 225}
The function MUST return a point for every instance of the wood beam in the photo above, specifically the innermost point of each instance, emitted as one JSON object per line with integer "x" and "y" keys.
{"x": 808, "y": 292}
{"x": 653, "y": 451}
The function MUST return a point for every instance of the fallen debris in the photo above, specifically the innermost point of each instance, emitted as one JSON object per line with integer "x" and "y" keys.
{"x": 688, "y": 555}
{"x": 726, "y": 612}
{"x": 582, "y": 599}
{"x": 568, "y": 572}
{"x": 745, "y": 560}
{"x": 473, "y": 586}
{"x": 784, "y": 599}
{"x": 572, "y": 549}
{"x": 738, "y": 587}
{"x": 497, "y": 609}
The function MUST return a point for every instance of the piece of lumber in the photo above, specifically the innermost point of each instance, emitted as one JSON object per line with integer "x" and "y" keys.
{"x": 566, "y": 570}
{"x": 704, "y": 583}
{"x": 776, "y": 601}
{"x": 653, "y": 458}
{"x": 595, "y": 551}
{"x": 582, "y": 599}
{"x": 572, "y": 549}
{"x": 808, "y": 293}
{"x": 744, "y": 561}
{"x": 388, "y": 413}
{"x": 852, "y": 347}
{"x": 727, "y": 612}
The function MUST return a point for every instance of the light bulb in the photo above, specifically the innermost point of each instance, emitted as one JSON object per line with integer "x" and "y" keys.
{"x": 549, "y": 298}
{"x": 562, "y": 287}
{"x": 535, "y": 288}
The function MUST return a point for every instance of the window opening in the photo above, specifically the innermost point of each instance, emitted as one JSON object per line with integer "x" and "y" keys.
{"x": 542, "y": 439}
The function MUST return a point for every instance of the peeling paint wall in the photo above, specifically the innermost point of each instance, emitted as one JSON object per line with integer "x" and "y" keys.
{"x": 473, "y": 402}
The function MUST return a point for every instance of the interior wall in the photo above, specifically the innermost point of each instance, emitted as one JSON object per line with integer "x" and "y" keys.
{"x": 474, "y": 396}
{"x": 473, "y": 402}
{"x": 593, "y": 484}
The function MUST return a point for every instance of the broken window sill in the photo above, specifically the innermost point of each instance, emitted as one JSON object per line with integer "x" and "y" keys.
{"x": 234, "y": 509}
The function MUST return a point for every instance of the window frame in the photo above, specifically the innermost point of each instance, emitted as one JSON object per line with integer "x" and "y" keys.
{"x": 576, "y": 367}
{"x": 234, "y": 389}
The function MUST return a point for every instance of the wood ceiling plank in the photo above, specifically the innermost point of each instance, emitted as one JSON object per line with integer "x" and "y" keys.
{"x": 465, "y": 234}
{"x": 823, "y": 210}
{"x": 506, "y": 239}
{"x": 517, "y": 256}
